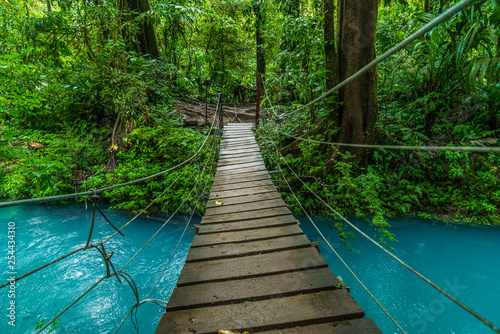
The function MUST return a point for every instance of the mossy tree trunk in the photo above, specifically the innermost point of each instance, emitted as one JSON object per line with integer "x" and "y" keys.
{"x": 358, "y": 112}
{"x": 145, "y": 39}
{"x": 331, "y": 56}
{"x": 259, "y": 36}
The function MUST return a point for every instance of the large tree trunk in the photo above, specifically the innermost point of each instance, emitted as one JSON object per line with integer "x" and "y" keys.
{"x": 146, "y": 38}
{"x": 331, "y": 56}
{"x": 49, "y": 6}
{"x": 259, "y": 37}
{"x": 359, "y": 110}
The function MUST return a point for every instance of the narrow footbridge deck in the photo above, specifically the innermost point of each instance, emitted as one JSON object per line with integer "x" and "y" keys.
{"x": 251, "y": 267}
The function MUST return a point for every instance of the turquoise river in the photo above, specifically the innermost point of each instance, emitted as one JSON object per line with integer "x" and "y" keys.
{"x": 464, "y": 260}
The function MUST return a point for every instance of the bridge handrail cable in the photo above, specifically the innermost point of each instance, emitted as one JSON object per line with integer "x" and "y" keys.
{"x": 456, "y": 301}
{"x": 120, "y": 271}
{"x": 449, "y": 13}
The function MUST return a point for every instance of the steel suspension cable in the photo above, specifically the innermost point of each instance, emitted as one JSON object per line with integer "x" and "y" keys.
{"x": 114, "y": 273}
{"x": 396, "y": 147}
{"x": 126, "y": 224}
{"x": 101, "y": 190}
{"x": 106, "y": 240}
{"x": 171, "y": 255}
{"x": 331, "y": 247}
{"x": 452, "y": 11}
{"x": 388, "y": 147}
{"x": 456, "y": 301}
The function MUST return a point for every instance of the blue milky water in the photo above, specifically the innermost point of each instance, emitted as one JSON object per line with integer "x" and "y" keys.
{"x": 46, "y": 232}
{"x": 464, "y": 260}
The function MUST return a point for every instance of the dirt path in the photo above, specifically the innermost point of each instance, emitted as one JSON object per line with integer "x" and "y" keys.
{"x": 194, "y": 113}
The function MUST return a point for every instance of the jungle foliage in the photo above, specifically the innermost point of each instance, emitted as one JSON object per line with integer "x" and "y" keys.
{"x": 84, "y": 104}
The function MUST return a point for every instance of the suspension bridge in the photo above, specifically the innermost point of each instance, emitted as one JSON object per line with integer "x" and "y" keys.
{"x": 250, "y": 268}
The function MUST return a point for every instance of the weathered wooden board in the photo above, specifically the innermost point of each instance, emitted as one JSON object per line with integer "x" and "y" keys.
{"x": 241, "y": 192}
{"x": 235, "y": 134}
{"x": 237, "y": 161}
{"x": 245, "y": 236}
{"x": 237, "y": 138}
{"x": 238, "y": 143}
{"x": 307, "y": 309}
{"x": 231, "y": 180}
{"x": 254, "y": 148}
{"x": 234, "y": 249}
{"x": 229, "y": 149}
{"x": 240, "y": 171}
{"x": 250, "y": 266}
{"x": 237, "y": 146}
{"x": 252, "y": 289}
{"x": 224, "y": 209}
{"x": 247, "y": 224}
{"x": 241, "y": 185}
{"x": 225, "y": 179}
{"x": 246, "y": 215}
{"x": 355, "y": 326}
{"x": 240, "y": 155}
{"x": 241, "y": 165}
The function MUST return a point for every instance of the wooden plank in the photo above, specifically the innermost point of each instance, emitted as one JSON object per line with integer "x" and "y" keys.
{"x": 231, "y": 133}
{"x": 355, "y": 326}
{"x": 307, "y": 309}
{"x": 222, "y": 251}
{"x": 256, "y": 148}
{"x": 241, "y": 165}
{"x": 241, "y": 170}
{"x": 237, "y": 143}
{"x": 235, "y": 161}
{"x": 224, "y": 150}
{"x": 235, "y": 125}
{"x": 242, "y": 192}
{"x": 232, "y": 139}
{"x": 246, "y": 215}
{"x": 245, "y": 236}
{"x": 240, "y": 155}
{"x": 221, "y": 178}
{"x": 252, "y": 289}
{"x": 247, "y": 225}
{"x": 252, "y": 178}
{"x": 224, "y": 209}
{"x": 241, "y": 185}
{"x": 237, "y": 146}
{"x": 250, "y": 266}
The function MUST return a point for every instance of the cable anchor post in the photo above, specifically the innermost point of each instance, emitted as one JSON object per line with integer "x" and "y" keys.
{"x": 107, "y": 262}
{"x": 257, "y": 99}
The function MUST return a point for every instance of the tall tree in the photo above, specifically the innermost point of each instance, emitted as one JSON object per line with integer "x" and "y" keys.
{"x": 331, "y": 56}
{"x": 259, "y": 36}
{"x": 145, "y": 38}
{"x": 359, "y": 108}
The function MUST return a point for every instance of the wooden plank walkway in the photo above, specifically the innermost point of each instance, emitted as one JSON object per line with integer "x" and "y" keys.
{"x": 251, "y": 267}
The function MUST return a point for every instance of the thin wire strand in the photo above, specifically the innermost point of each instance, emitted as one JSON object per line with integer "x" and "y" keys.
{"x": 452, "y": 11}
{"x": 340, "y": 258}
{"x": 100, "y": 280}
{"x": 98, "y": 191}
{"x": 333, "y": 249}
{"x": 174, "y": 251}
{"x": 126, "y": 224}
{"x": 396, "y": 147}
{"x": 106, "y": 240}
{"x": 466, "y": 308}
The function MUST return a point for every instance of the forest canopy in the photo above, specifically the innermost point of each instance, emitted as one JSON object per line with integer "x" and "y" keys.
{"x": 88, "y": 93}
